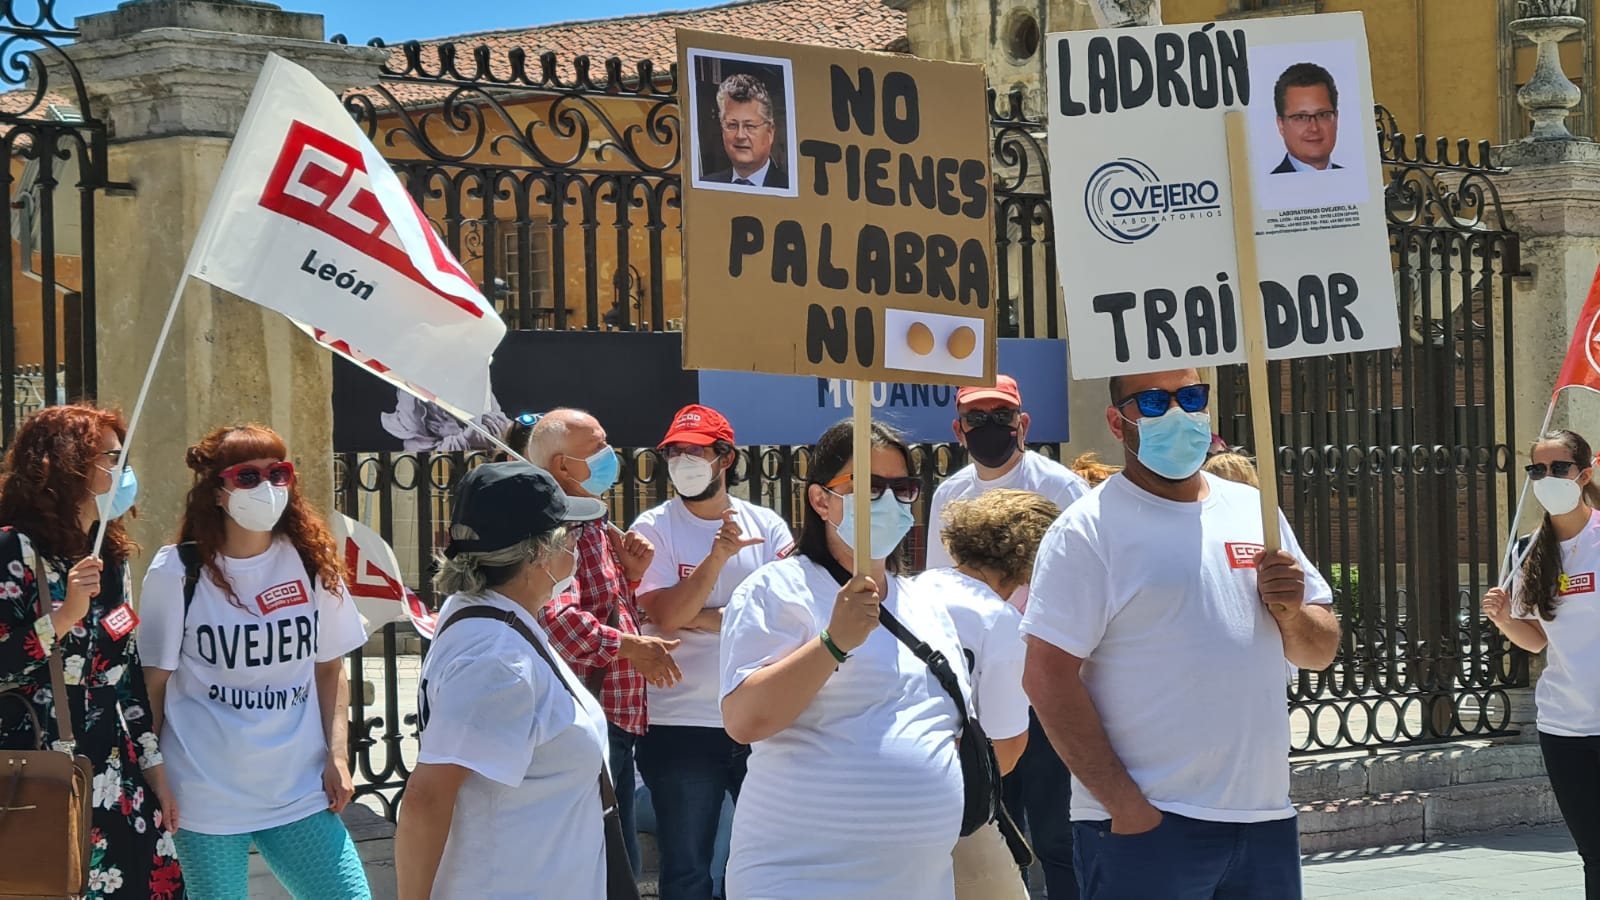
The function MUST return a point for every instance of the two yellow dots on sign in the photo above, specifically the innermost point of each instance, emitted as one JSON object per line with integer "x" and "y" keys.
{"x": 961, "y": 343}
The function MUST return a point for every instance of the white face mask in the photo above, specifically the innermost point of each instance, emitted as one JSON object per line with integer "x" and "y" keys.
{"x": 565, "y": 584}
{"x": 1558, "y": 496}
{"x": 259, "y": 508}
{"x": 690, "y": 475}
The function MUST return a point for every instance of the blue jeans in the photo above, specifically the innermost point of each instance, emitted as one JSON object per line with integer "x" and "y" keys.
{"x": 1038, "y": 793}
{"x": 1190, "y": 859}
{"x": 622, "y": 744}
{"x": 689, "y": 772}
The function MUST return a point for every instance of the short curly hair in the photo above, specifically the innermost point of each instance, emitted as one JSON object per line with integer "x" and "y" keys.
{"x": 998, "y": 531}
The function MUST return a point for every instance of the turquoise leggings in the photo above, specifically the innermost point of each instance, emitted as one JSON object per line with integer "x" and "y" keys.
{"x": 314, "y": 858}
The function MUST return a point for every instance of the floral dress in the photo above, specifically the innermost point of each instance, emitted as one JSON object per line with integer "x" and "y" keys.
{"x": 131, "y": 854}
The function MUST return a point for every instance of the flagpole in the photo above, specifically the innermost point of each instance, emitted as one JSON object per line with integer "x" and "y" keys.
{"x": 1507, "y": 567}
{"x": 138, "y": 408}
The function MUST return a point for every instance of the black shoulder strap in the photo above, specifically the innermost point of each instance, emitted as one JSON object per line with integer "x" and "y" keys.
{"x": 933, "y": 659}
{"x": 608, "y": 793}
{"x": 189, "y": 555}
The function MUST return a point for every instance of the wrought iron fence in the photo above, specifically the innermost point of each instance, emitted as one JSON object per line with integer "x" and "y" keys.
{"x": 1396, "y": 473}
{"x": 559, "y": 163}
{"x": 52, "y": 165}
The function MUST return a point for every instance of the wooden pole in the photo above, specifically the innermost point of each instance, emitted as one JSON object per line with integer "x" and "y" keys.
{"x": 861, "y": 469}
{"x": 1253, "y": 316}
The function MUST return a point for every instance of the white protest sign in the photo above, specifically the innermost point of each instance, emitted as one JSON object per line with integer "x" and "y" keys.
{"x": 1144, "y": 221}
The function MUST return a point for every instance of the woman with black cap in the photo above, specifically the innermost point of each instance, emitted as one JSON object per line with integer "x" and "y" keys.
{"x": 510, "y": 750}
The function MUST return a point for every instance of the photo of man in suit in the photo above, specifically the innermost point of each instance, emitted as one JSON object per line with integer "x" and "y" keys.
{"x": 745, "y": 114}
{"x": 1307, "y": 103}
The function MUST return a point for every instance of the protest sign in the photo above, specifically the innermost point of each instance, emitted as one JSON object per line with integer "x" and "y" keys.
{"x": 1150, "y": 267}
{"x": 837, "y": 213}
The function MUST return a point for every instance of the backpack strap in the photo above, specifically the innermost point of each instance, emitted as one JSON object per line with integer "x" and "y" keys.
{"x": 189, "y": 555}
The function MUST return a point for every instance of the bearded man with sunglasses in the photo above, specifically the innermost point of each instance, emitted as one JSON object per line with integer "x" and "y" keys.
{"x": 1157, "y": 633}
{"x": 990, "y": 423}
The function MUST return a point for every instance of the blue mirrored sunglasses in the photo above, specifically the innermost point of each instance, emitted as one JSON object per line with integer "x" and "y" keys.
{"x": 528, "y": 420}
{"x": 1155, "y": 402}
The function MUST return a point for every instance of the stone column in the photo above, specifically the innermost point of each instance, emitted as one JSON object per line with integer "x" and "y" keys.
{"x": 171, "y": 78}
{"x": 1551, "y": 196}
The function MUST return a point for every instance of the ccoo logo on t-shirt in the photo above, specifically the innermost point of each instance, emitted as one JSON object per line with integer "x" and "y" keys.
{"x": 291, "y": 593}
{"x": 1576, "y": 584}
{"x": 1243, "y": 555}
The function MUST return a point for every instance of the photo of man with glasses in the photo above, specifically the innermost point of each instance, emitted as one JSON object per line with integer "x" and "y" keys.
{"x": 1307, "y": 104}
{"x": 746, "y": 118}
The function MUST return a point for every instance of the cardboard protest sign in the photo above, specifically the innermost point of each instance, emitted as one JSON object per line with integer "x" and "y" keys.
{"x": 837, "y": 213}
{"x": 1139, "y": 159}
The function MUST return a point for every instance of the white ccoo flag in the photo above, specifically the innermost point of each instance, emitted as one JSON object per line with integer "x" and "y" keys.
{"x": 308, "y": 220}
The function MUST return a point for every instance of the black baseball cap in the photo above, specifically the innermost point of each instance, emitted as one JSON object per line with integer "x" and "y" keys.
{"x": 498, "y": 504}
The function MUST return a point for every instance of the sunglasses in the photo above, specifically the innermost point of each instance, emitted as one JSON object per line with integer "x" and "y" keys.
{"x": 1005, "y": 417}
{"x": 244, "y": 476}
{"x": 673, "y": 451}
{"x": 906, "y": 489}
{"x": 1155, "y": 402}
{"x": 528, "y": 420}
{"x": 1560, "y": 469}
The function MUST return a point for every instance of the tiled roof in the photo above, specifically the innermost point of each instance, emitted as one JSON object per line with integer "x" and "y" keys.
{"x": 851, "y": 24}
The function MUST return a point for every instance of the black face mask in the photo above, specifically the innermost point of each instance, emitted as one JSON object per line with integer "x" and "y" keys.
{"x": 992, "y": 445}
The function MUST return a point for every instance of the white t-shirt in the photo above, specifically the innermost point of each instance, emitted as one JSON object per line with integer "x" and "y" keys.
{"x": 991, "y": 639}
{"x": 682, "y": 541}
{"x": 1182, "y": 659}
{"x": 243, "y": 733}
{"x": 872, "y": 759}
{"x": 1568, "y": 692}
{"x": 1036, "y": 473}
{"x": 527, "y": 820}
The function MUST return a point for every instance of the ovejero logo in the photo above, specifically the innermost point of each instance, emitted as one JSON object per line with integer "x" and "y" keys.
{"x": 1127, "y": 201}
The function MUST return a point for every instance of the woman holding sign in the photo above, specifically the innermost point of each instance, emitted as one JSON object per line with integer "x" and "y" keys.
{"x": 853, "y": 789}
{"x": 246, "y": 625}
{"x": 58, "y": 476}
{"x": 1552, "y": 603}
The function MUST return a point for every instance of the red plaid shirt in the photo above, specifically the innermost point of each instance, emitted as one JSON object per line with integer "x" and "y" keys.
{"x": 576, "y": 623}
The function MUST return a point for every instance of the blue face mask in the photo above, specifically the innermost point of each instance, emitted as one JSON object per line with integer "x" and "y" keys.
{"x": 1174, "y": 444}
{"x": 127, "y": 490}
{"x": 604, "y": 467}
{"x": 891, "y": 521}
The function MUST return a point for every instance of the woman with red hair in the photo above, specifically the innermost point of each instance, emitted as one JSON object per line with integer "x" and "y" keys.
{"x": 246, "y": 624}
{"x": 59, "y": 476}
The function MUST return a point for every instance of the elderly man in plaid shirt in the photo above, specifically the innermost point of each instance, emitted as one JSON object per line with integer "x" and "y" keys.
{"x": 595, "y": 622}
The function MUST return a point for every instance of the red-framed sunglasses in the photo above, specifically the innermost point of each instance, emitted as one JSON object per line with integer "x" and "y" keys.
{"x": 244, "y": 476}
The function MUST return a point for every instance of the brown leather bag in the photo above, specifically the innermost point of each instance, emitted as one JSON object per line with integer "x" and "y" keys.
{"x": 44, "y": 799}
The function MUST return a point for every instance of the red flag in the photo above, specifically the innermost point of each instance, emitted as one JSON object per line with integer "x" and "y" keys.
{"x": 1582, "y": 367}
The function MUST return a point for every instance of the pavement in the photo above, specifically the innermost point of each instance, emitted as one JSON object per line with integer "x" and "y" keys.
{"x": 1539, "y": 862}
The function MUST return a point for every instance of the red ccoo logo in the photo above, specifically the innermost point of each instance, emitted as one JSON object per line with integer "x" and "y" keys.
{"x": 292, "y": 593}
{"x": 322, "y": 182}
{"x": 1243, "y": 555}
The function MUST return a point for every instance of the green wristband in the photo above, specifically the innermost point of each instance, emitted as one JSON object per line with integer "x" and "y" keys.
{"x": 827, "y": 642}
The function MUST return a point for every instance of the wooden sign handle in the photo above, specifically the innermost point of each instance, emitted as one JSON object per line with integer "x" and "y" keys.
{"x": 861, "y": 469}
{"x": 1253, "y": 316}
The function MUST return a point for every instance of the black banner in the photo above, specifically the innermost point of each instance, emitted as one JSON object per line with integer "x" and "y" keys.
{"x": 632, "y": 383}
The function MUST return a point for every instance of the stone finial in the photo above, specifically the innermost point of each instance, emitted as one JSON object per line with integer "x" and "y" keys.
{"x": 1124, "y": 13}
{"x": 1549, "y": 96}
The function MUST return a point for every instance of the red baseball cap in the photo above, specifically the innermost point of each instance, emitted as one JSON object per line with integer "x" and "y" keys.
{"x": 1005, "y": 389}
{"x": 698, "y": 425}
